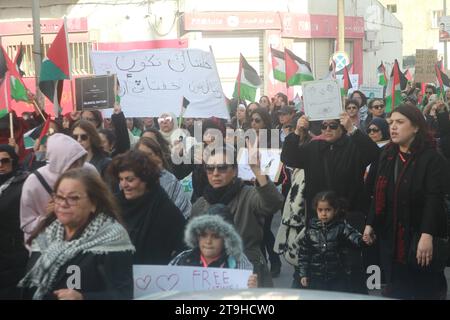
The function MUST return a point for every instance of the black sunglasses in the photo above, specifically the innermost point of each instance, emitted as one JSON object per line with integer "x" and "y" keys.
{"x": 378, "y": 106}
{"x": 221, "y": 168}
{"x": 83, "y": 136}
{"x": 5, "y": 161}
{"x": 256, "y": 120}
{"x": 374, "y": 130}
{"x": 332, "y": 126}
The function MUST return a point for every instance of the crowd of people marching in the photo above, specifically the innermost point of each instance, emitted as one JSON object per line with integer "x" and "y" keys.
{"x": 369, "y": 188}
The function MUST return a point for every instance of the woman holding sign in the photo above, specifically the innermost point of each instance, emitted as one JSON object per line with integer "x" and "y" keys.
{"x": 336, "y": 161}
{"x": 214, "y": 243}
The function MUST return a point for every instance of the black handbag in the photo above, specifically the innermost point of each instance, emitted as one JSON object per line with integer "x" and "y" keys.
{"x": 440, "y": 253}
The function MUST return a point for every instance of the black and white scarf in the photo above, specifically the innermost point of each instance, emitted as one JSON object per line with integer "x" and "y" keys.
{"x": 102, "y": 235}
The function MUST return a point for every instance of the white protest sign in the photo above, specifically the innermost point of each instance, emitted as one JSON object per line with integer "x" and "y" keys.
{"x": 270, "y": 164}
{"x": 372, "y": 92}
{"x": 155, "y": 81}
{"x": 150, "y": 279}
{"x": 322, "y": 99}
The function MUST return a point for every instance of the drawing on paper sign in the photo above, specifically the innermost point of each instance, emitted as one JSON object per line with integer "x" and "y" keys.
{"x": 270, "y": 164}
{"x": 322, "y": 100}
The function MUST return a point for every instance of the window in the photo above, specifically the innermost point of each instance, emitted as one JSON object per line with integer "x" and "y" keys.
{"x": 79, "y": 52}
{"x": 392, "y": 8}
{"x": 436, "y": 16}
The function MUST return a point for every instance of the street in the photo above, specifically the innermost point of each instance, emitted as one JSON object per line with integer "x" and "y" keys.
{"x": 285, "y": 278}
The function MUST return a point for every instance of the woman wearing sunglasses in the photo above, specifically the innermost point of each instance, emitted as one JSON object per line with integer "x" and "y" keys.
{"x": 249, "y": 205}
{"x": 13, "y": 254}
{"x": 376, "y": 109}
{"x": 337, "y": 161}
{"x": 378, "y": 130}
{"x": 86, "y": 134}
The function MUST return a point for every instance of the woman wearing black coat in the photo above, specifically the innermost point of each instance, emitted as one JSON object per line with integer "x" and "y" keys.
{"x": 13, "y": 254}
{"x": 335, "y": 161}
{"x": 154, "y": 223}
{"x": 408, "y": 211}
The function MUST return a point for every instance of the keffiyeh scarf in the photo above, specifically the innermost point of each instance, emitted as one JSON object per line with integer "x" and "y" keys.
{"x": 102, "y": 235}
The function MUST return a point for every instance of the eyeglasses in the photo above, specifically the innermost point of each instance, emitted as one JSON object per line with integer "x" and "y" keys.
{"x": 69, "y": 200}
{"x": 332, "y": 126}
{"x": 5, "y": 161}
{"x": 164, "y": 119}
{"x": 429, "y": 92}
{"x": 221, "y": 168}
{"x": 378, "y": 106}
{"x": 372, "y": 130}
{"x": 256, "y": 120}
{"x": 351, "y": 108}
{"x": 83, "y": 137}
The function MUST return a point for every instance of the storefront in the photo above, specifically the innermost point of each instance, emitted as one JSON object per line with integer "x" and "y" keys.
{"x": 311, "y": 37}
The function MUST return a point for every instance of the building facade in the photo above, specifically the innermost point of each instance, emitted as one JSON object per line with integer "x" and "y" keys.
{"x": 228, "y": 28}
{"x": 420, "y": 21}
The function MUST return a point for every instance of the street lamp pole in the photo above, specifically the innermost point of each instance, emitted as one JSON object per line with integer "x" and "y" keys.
{"x": 37, "y": 55}
{"x": 445, "y": 41}
{"x": 341, "y": 25}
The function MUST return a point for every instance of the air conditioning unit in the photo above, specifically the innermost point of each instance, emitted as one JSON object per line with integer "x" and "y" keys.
{"x": 370, "y": 35}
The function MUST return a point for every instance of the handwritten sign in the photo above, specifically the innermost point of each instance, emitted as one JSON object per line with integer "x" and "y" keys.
{"x": 155, "y": 81}
{"x": 322, "y": 100}
{"x": 270, "y": 164}
{"x": 425, "y": 61}
{"x": 150, "y": 279}
{"x": 372, "y": 92}
{"x": 97, "y": 92}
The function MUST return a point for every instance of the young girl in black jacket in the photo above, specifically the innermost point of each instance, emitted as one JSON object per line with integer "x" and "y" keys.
{"x": 321, "y": 260}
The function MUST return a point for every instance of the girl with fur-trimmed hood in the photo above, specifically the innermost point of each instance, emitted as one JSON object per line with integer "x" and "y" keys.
{"x": 214, "y": 243}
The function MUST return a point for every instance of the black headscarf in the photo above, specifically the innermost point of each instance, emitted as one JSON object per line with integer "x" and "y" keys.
{"x": 15, "y": 161}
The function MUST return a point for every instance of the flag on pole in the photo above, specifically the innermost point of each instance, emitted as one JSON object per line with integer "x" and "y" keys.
{"x": 247, "y": 81}
{"x": 443, "y": 80}
{"x": 55, "y": 68}
{"x": 278, "y": 65}
{"x": 17, "y": 88}
{"x": 5, "y": 95}
{"x": 382, "y": 78}
{"x": 346, "y": 83}
{"x": 397, "y": 83}
{"x": 408, "y": 75}
{"x": 297, "y": 70}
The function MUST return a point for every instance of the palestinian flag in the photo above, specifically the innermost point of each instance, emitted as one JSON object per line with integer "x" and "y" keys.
{"x": 349, "y": 69}
{"x": 297, "y": 70}
{"x": 5, "y": 95}
{"x": 17, "y": 88}
{"x": 346, "y": 83}
{"x": 40, "y": 132}
{"x": 382, "y": 78}
{"x": 408, "y": 75}
{"x": 278, "y": 65}
{"x": 247, "y": 81}
{"x": 443, "y": 80}
{"x": 397, "y": 83}
{"x": 55, "y": 68}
